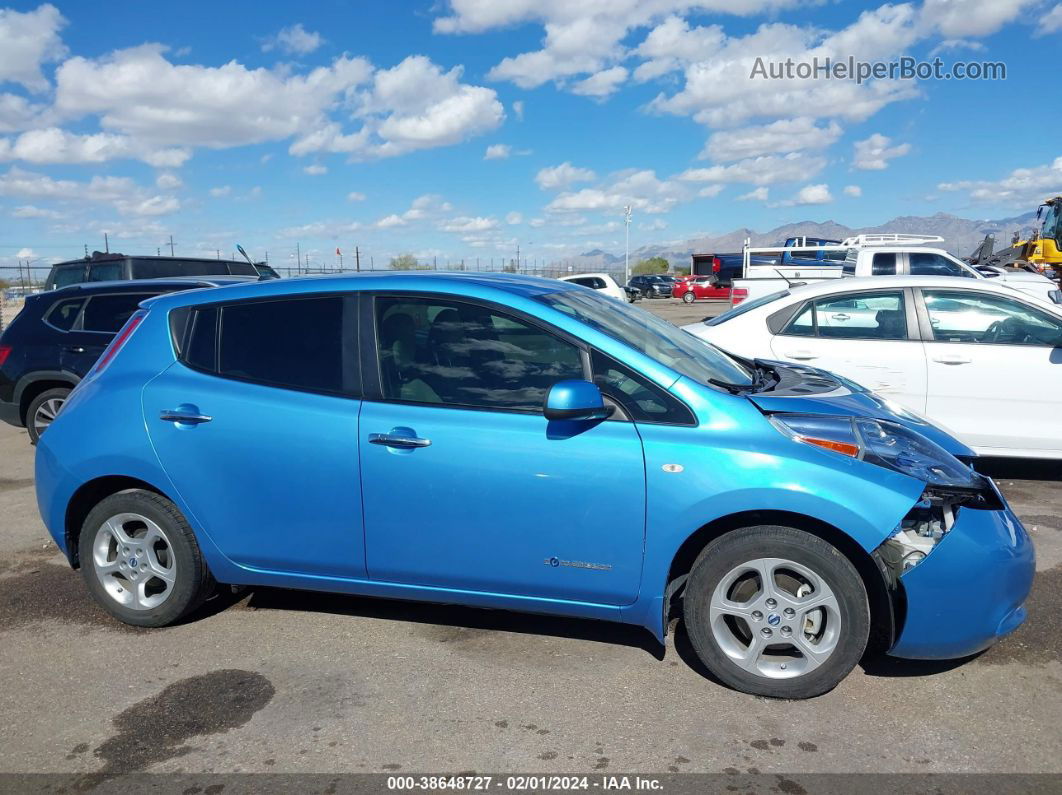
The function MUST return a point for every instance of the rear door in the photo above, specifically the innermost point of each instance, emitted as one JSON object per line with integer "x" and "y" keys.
{"x": 867, "y": 336}
{"x": 994, "y": 369}
{"x": 102, "y": 316}
{"x": 256, "y": 427}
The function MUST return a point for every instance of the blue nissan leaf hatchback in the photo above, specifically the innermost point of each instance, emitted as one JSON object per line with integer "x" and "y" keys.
{"x": 524, "y": 444}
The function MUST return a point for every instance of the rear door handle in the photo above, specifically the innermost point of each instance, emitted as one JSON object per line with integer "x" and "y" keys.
{"x": 801, "y": 355}
{"x": 187, "y": 418}
{"x": 841, "y": 316}
{"x": 395, "y": 440}
{"x": 952, "y": 358}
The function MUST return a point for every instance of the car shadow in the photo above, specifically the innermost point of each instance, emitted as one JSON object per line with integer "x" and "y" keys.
{"x": 1019, "y": 468}
{"x": 459, "y": 616}
{"x": 881, "y": 665}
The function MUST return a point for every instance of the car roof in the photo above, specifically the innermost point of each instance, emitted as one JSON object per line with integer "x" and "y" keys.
{"x": 419, "y": 281}
{"x": 850, "y": 284}
{"x": 581, "y": 275}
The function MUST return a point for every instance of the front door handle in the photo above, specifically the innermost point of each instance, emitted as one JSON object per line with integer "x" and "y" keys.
{"x": 952, "y": 358}
{"x": 802, "y": 355}
{"x": 396, "y": 440}
{"x": 841, "y": 316}
{"x": 183, "y": 417}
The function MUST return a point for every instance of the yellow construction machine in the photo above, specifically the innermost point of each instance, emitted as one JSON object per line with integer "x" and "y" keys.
{"x": 1041, "y": 252}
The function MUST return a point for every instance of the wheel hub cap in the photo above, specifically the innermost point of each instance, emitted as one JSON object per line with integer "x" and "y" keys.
{"x": 134, "y": 561}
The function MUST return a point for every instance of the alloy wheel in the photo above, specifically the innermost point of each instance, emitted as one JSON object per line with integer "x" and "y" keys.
{"x": 134, "y": 561}
{"x": 46, "y": 414}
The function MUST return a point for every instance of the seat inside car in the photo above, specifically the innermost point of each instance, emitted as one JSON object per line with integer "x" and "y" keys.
{"x": 892, "y": 323}
{"x": 398, "y": 361}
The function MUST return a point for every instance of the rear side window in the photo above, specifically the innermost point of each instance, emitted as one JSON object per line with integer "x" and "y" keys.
{"x": 108, "y": 313}
{"x": 105, "y": 271}
{"x": 163, "y": 268}
{"x": 294, "y": 342}
{"x": 201, "y": 349}
{"x": 63, "y": 314}
{"x": 868, "y": 316}
{"x": 927, "y": 264}
{"x": 883, "y": 264}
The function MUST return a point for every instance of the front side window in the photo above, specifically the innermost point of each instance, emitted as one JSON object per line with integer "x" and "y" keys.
{"x": 292, "y": 342}
{"x": 924, "y": 263}
{"x": 959, "y": 316}
{"x": 466, "y": 355}
{"x": 869, "y": 316}
{"x": 659, "y": 340}
{"x": 108, "y": 313}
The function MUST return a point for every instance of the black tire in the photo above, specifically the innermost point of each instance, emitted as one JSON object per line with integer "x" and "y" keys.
{"x": 689, "y": 297}
{"x": 36, "y": 405}
{"x": 732, "y": 550}
{"x": 192, "y": 584}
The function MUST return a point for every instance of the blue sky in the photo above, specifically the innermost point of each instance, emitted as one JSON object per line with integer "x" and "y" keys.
{"x": 459, "y": 129}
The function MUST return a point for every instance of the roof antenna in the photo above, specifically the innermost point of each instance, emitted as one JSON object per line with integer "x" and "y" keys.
{"x": 240, "y": 249}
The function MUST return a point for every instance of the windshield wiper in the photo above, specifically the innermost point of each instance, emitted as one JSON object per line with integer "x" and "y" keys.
{"x": 764, "y": 376}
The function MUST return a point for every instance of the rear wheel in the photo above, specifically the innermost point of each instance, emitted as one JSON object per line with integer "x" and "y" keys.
{"x": 776, "y": 612}
{"x": 689, "y": 297}
{"x": 140, "y": 559}
{"x": 43, "y": 410}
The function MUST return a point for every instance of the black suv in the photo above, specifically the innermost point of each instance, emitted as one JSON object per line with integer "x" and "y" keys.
{"x": 109, "y": 267}
{"x": 653, "y": 286}
{"x": 54, "y": 341}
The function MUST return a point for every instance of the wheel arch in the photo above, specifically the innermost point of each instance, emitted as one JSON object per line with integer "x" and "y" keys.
{"x": 885, "y": 605}
{"x": 29, "y": 388}
{"x": 87, "y": 497}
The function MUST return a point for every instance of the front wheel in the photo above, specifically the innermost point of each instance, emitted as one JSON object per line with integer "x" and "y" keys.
{"x": 140, "y": 559}
{"x": 43, "y": 410}
{"x": 777, "y": 612}
{"x": 689, "y": 298}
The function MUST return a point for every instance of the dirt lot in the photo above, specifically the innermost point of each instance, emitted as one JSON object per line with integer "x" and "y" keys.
{"x": 291, "y": 682}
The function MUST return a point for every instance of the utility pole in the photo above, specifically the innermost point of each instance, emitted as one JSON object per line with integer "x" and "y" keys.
{"x": 106, "y": 243}
{"x": 357, "y": 260}
{"x": 627, "y": 248}
{"x": 298, "y": 258}
{"x": 517, "y": 256}
{"x": 86, "y": 250}
{"x": 171, "y": 245}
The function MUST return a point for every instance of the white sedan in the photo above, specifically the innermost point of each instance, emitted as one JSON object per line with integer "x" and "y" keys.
{"x": 598, "y": 281}
{"x": 978, "y": 358}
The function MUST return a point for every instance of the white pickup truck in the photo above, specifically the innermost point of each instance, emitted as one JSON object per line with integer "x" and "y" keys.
{"x": 880, "y": 255}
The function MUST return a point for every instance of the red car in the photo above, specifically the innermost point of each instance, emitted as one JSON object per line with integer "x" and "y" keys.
{"x": 690, "y": 288}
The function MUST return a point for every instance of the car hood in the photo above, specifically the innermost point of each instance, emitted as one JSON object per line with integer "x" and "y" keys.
{"x": 809, "y": 390}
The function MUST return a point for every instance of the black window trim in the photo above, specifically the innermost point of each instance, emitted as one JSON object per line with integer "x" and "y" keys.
{"x": 351, "y": 375}
{"x": 79, "y": 323}
{"x": 914, "y": 326}
{"x": 73, "y": 326}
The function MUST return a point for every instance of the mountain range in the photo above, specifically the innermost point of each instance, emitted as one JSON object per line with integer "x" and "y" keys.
{"x": 961, "y": 237}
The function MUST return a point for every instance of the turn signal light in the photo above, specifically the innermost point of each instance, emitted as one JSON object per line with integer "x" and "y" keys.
{"x": 844, "y": 448}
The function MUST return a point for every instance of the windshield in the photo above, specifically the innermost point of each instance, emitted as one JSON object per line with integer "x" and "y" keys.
{"x": 744, "y": 307}
{"x": 656, "y": 338}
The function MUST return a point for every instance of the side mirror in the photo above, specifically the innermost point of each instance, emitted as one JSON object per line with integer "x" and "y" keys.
{"x": 1056, "y": 296}
{"x": 575, "y": 400}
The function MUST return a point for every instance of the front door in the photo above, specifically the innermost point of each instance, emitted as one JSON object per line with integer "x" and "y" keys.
{"x": 995, "y": 372}
{"x": 259, "y": 436}
{"x": 863, "y": 336}
{"x": 467, "y": 486}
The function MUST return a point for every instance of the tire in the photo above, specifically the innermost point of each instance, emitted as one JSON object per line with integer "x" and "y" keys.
{"x": 689, "y": 298}
{"x": 139, "y": 594}
{"x": 42, "y": 410}
{"x": 792, "y": 666}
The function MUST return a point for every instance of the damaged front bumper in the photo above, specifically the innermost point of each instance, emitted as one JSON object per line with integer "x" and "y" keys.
{"x": 963, "y": 586}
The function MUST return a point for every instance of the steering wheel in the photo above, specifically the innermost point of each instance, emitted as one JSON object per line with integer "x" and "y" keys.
{"x": 1006, "y": 330}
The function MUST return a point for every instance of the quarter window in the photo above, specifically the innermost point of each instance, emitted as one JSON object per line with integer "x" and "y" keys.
{"x": 643, "y": 400}
{"x": 296, "y": 343}
{"x": 64, "y": 313}
{"x": 960, "y": 316}
{"x": 108, "y": 313}
{"x": 923, "y": 263}
{"x": 871, "y": 316}
{"x": 883, "y": 264}
{"x": 461, "y": 354}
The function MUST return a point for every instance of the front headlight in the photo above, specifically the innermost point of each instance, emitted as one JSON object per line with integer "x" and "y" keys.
{"x": 884, "y": 443}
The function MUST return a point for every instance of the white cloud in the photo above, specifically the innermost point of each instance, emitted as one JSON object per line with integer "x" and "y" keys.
{"x": 466, "y": 224}
{"x": 853, "y": 190}
{"x": 514, "y": 218}
{"x": 1051, "y": 22}
{"x": 1022, "y": 186}
{"x": 29, "y": 211}
{"x": 294, "y": 40}
{"x": 518, "y": 109}
{"x": 221, "y": 191}
{"x": 765, "y": 170}
{"x": 710, "y": 191}
{"x": 54, "y": 145}
{"x": 28, "y": 40}
{"x": 958, "y": 18}
{"x": 641, "y": 189}
{"x": 122, "y": 193}
{"x": 563, "y": 175}
{"x": 756, "y": 194}
{"x": 602, "y": 83}
{"x": 167, "y": 181}
{"x": 414, "y": 105}
{"x": 315, "y": 170}
{"x": 873, "y": 153}
{"x": 809, "y": 194}
{"x": 390, "y": 221}
{"x": 498, "y": 152}
{"x": 355, "y": 196}
{"x": 780, "y": 137}
{"x": 17, "y": 113}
